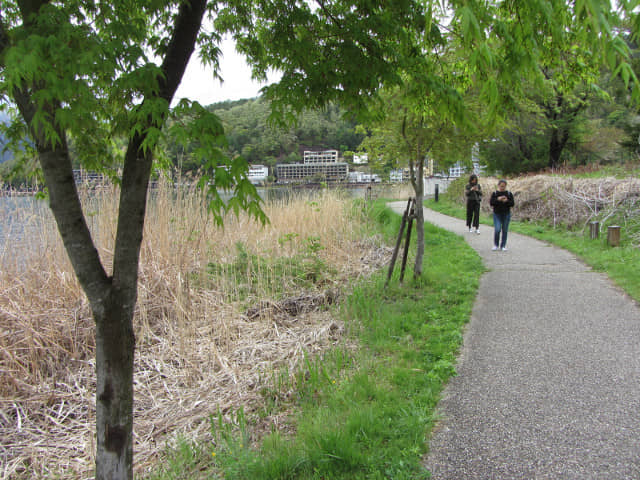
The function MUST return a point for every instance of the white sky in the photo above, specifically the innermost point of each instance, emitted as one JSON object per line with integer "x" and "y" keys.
{"x": 198, "y": 83}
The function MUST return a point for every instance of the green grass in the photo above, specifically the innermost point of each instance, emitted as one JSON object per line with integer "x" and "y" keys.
{"x": 363, "y": 413}
{"x": 252, "y": 275}
{"x": 619, "y": 263}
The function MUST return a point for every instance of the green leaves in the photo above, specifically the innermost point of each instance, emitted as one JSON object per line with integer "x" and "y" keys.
{"x": 342, "y": 51}
{"x": 194, "y": 123}
{"x": 470, "y": 29}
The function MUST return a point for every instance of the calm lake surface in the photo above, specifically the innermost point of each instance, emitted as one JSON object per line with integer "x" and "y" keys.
{"x": 20, "y": 215}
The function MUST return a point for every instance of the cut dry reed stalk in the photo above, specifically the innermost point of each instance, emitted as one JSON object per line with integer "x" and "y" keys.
{"x": 197, "y": 351}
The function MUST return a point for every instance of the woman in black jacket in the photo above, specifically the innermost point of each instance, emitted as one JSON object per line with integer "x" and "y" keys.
{"x": 501, "y": 201}
{"x": 473, "y": 192}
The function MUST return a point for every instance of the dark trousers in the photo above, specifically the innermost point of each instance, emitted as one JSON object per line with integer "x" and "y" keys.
{"x": 473, "y": 214}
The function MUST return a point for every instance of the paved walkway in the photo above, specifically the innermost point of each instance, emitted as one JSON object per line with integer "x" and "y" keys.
{"x": 548, "y": 383}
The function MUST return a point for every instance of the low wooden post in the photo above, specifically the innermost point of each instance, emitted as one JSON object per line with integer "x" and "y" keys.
{"x": 594, "y": 230}
{"x": 613, "y": 235}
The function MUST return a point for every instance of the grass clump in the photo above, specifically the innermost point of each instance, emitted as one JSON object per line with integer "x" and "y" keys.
{"x": 365, "y": 412}
{"x": 250, "y": 275}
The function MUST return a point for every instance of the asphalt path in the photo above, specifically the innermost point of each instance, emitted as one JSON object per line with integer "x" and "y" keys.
{"x": 548, "y": 383}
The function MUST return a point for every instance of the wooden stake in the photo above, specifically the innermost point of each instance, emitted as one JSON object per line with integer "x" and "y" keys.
{"x": 613, "y": 235}
{"x": 412, "y": 215}
{"x": 405, "y": 216}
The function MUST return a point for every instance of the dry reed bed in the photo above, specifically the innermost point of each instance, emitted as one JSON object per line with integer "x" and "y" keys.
{"x": 197, "y": 349}
{"x": 570, "y": 201}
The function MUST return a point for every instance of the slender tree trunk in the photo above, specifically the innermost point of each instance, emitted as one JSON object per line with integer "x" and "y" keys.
{"x": 419, "y": 191}
{"x": 115, "y": 341}
{"x": 112, "y": 299}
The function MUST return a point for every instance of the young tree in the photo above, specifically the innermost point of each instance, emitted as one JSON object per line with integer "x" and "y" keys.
{"x": 84, "y": 70}
{"x": 410, "y": 129}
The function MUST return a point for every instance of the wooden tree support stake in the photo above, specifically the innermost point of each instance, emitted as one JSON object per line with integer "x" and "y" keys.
{"x": 594, "y": 230}
{"x": 408, "y": 215}
{"x": 411, "y": 217}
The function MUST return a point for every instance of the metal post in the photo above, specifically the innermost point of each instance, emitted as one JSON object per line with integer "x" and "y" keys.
{"x": 594, "y": 230}
{"x": 436, "y": 194}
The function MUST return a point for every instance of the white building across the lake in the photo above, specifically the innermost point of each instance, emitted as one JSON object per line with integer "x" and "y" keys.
{"x": 258, "y": 174}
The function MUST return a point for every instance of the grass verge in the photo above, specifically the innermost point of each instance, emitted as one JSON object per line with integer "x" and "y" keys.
{"x": 619, "y": 263}
{"x": 358, "y": 413}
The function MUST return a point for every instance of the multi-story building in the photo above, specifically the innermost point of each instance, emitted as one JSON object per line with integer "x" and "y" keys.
{"x": 258, "y": 174}
{"x": 318, "y": 166}
{"x": 396, "y": 176}
{"x": 299, "y": 172}
{"x": 361, "y": 159}
{"x": 456, "y": 170}
{"x": 326, "y": 156}
{"x": 363, "y": 177}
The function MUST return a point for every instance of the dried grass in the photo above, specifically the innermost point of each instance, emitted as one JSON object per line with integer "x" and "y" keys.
{"x": 200, "y": 348}
{"x": 569, "y": 201}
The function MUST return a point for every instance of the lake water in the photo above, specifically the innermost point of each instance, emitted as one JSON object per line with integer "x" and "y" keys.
{"x": 21, "y": 216}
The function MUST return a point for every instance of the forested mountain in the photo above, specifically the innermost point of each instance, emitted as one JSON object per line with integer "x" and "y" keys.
{"x": 250, "y": 133}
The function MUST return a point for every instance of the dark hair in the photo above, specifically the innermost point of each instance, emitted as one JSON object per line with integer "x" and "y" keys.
{"x": 502, "y": 180}
{"x": 473, "y": 177}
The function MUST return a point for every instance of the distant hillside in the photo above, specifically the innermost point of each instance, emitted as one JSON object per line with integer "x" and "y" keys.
{"x": 249, "y": 132}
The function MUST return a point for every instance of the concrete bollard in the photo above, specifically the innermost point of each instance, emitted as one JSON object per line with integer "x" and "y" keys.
{"x": 613, "y": 235}
{"x": 594, "y": 230}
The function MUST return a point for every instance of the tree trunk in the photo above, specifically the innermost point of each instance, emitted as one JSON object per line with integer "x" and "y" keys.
{"x": 417, "y": 269}
{"x": 556, "y": 144}
{"x": 115, "y": 344}
{"x": 418, "y": 187}
{"x": 112, "y": 299}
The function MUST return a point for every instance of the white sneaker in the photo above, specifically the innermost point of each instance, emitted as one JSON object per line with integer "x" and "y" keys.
{"x": 504, "y": 249}
{"x": 494, "y": 248}
{"x": 478, "y": 231}
{"x": 471, "y": 230}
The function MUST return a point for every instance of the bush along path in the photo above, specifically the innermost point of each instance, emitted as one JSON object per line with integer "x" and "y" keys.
{"x": 362, "y": 410}
{"x": 547, "y": 383}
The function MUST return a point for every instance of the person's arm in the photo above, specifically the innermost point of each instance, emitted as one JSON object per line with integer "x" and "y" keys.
{"x": 493, "y": 199}
{"x": 511, "y": 201}
{"x": 467, "y": 190}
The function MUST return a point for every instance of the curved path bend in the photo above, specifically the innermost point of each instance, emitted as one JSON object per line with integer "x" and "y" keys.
{"x": 548, "y": 383}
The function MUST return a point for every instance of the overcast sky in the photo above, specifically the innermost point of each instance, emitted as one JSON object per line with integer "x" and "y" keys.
{"x": 198, "y": 83}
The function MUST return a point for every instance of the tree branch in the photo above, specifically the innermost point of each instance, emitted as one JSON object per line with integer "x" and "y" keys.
{"x": 29, "y": 7}
{"x": 181, "y": 46}
{"x": 55, "y": 161}
{"x": 138, "y": 163}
